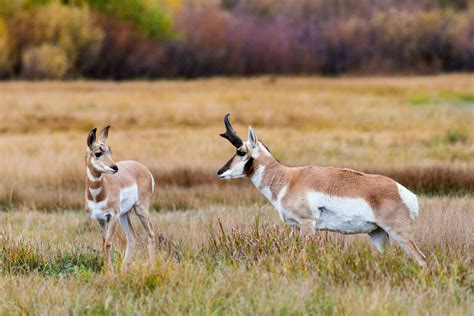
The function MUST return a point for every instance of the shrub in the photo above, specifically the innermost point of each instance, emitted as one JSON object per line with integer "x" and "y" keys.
{"x": 242, "y": 37}
{"x": 462, "y": 34}
{"x": 424, "y": 41}
{"x": 45, "y": 62}
{"x": 205, "y": 47}
{"x": 5, "y": 61}
{"x": 126, "y": 53}
{"x": 67, "y": 29}
{"x": 147, "y": 16}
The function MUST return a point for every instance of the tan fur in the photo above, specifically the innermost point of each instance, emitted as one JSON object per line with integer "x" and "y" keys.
{"x": 380, "y": 192}
{"x": 106, "y": 205}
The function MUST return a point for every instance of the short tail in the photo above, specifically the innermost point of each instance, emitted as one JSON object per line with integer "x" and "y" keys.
{"x": 410, "y": 200}
{"x": 152, "y": 183}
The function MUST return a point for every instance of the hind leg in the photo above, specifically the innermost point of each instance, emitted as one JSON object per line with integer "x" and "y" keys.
{"x": 395, "y": 219}
{"x": 307, "y": 229}
{"x": 403, "y": 235}
{"x": 142, "y": 210}
{"x": 131, "y": 239}
{"x": 408, "y": 245}
{"x": 379, "y": 239}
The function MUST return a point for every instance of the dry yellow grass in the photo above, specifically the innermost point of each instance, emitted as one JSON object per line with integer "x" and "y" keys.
{"x": 353, "y": 122}
{"x": 51, "y": 265}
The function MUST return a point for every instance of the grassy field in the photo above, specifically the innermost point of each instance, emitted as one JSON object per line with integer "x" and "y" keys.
{"x": 223, "y": 249}
{"x": 236, "y": 260}
{"x": 172, "y": 127}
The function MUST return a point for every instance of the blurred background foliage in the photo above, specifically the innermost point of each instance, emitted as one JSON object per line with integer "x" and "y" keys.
{"x": 51, "y": 39}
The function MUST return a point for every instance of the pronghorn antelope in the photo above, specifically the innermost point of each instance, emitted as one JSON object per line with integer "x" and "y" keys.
{"x": 112, "y": 190}
{"x": 324, "y": 198}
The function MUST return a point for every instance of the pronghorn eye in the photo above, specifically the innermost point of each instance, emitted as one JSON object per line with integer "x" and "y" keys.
{"x": 240, "y": 153}
{"x": 98, "y": 154}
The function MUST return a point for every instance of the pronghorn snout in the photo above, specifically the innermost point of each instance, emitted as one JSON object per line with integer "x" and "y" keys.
{"x": 225, "y": 168}
{"x": 220, "y": 172}
{"x": 114, "y": 168}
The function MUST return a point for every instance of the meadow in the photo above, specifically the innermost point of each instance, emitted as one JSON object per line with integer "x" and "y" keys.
{"x": 222, "y": 247}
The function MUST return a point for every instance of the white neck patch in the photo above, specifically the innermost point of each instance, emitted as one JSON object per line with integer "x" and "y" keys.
{"x": 258, "y": 176}
{"x": 95, "y": 192}
{"x": 97, "y": 205}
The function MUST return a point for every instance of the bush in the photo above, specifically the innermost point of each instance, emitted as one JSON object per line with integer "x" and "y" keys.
{"x": 126, "y": 54}
{"x": 45, "y": 62}
{"x": 68, "y": 32}
{"x": 5, "y": 61}
{"x": 424, "y": 41}
{"x": 245, "y": 38}
{"x": 147, "y": 16}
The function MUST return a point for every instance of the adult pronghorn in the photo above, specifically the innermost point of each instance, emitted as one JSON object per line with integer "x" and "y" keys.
{"x": 112, "y": 190}
{"x": 340, "y": 200}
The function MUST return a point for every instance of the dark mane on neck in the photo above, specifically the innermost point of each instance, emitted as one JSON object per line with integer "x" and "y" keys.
{"x": 261, "y": 142}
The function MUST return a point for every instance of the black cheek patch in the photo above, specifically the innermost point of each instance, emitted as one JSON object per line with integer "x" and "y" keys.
{"x": 248, "y": 168}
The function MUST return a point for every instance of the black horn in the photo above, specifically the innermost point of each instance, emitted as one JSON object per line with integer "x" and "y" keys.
{"x": 230, "y": 134}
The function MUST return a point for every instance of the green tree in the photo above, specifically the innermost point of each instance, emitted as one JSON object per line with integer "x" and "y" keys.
{"x": 148, "y": 16}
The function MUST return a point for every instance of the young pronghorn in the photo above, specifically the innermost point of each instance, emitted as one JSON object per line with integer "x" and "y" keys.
{"x": 324, "y": 198}
{"x": 112, "y": 190}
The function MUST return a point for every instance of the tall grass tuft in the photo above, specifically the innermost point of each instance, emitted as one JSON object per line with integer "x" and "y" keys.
{"x": 18, "y": 256}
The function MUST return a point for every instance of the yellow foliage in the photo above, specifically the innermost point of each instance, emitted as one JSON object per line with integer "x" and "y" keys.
{"x": 5, "y": 63}
{"x": 68, "y": 29}
{"x": 172, "y": 6}
{"x": 45, "y": 62}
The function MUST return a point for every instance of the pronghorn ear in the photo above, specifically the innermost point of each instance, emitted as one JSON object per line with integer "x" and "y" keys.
{"x": 91, "y": 137}
{"x": 104, "y": 134}
{"x": 252, "y": 138}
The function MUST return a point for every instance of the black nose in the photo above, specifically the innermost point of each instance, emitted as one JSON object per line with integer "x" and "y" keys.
{"x": 220, "y": 172}
{"x": 108, "y": 216}
{"x": 114, "y": 168}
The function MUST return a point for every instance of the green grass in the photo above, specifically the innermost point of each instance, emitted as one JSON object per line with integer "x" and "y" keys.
{"x": 18, "y": 256}
{"x": 261, "y": 271}
{"x": 223, "y": 249}
{"x": 226, "y": 260}
{"x": 442, "y": 98}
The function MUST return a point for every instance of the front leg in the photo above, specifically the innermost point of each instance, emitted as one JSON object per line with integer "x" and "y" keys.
{"x": 295, "y": 231}
{"x": 110, "y": 231}
{"x": 103, "y": 230}
{"x": 307, "y": 229}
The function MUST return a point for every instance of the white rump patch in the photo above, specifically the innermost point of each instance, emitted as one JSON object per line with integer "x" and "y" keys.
{"x": 341, "y": 214}
{"x": 128, "y": 197}
{"x": 410, "y": 200}
{"x": 152, "y": 183}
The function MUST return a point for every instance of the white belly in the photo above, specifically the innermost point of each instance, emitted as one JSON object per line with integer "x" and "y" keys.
{"x": 128, "y": 198}
{"x": 340, "y": 214}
